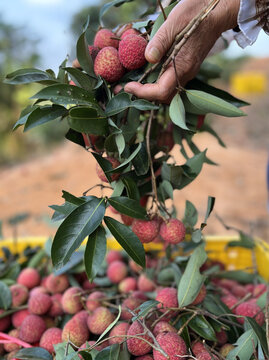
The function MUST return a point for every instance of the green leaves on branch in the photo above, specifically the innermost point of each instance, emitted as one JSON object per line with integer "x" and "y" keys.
{"x": 26, "y": 76}
{"x": 244, "y": 346}
{"x": 127, "y": 206}
{"x": 88, "y": 120}
{"x": 177, "y": 112}
{"x": 44, "y": 114}
{"x": 84, "y": 57}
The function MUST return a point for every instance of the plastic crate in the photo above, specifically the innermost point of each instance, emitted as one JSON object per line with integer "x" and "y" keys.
{"x": 234, "y": 258}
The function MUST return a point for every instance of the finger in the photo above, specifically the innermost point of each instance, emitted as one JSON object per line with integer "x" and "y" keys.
{"x": 76, "y": 64}
{"x": 117, "y": 89}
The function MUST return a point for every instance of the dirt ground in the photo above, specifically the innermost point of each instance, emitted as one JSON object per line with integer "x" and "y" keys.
{"x": 238, "y": 183}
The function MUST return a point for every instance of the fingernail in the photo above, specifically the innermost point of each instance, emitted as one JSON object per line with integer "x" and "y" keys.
{"x": 154, "y": 54}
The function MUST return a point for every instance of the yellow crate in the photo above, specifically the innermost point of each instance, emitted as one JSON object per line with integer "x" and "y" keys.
{"x": 234, "y": 258}
{"x": 252, "y": 82}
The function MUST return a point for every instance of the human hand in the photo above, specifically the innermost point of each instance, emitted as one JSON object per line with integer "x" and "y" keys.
{"x": 192, "y": 54}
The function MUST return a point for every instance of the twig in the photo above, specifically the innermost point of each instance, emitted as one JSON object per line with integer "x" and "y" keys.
{"x": 162, "y": 9}
{"x": 97, "y": 185}
{"x": 186, "y": 323}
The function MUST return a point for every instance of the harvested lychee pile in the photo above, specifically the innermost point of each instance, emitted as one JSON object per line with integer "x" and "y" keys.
{"x": 128, "y": 310}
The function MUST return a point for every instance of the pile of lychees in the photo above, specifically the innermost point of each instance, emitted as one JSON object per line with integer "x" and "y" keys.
{"x": 48, "y": 310}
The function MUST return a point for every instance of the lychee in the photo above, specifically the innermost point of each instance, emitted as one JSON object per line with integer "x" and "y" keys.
{"x": 259, "y": 289}
{"x": 105, "y": 38}
{"x": 119, "y": 329}
{"x": 76, "y": 331}
{"x": 4, "y": 322}
{"x": 221, "y": 337}
{"x": 113, "y": 255}
{"x": 49, "y": 338}
{"x": 132, "y": 51}
{"x": 115, "y": 163}
{"x": 39, "y": 304}
{"x": 12, "y": 346}
{"x": 225, "y": 349}
{"x": 18, "y": 317}
{"x": 165, "y": 141}
{"x": 93, "y": 300}
{"x": 134, "y": 266}
{"x": 93, "y": 50}
{"x": 144, "y": 357}
{"x": 57, "y": 283}
{"x": 38, "y": 289}
{"x": 32, "y": 328}
{"x": 173, "y": 345}
{"x": 167, "y": 298}
{"x": 173, "y": 231}
{"x": 145, "y": 230}
{"x": 163, "y": 326}
{"x": 127, "y": 220}
{"x": 107, "y": 64}
{"x": 100, "y": 320}
{"x": 230, "y": 301}
{"x": 127, "y": 285}
{"x": 239, "y": 291}
{"x": 29, "y": 277}
{"x": 200, "y": 297}
{"x": 197, "y": 347}
{"x": 139, "y": 295}
{"x": 56, "y": 306}
{"x": 71, "y": 300}
{"x": 131, "y": 303}
{"x": 117, "y": 271}
{"x": 19, "y": 294}
{"x": 250, "y": 309}
{"x": 129, "y": 32}
{"x": 145, "y": 284}
{"x": 82, "y": 316}
{"x": 139, "y": 346}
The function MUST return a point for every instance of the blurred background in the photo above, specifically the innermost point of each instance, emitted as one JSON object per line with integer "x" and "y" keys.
{"x": 36, "y": 166}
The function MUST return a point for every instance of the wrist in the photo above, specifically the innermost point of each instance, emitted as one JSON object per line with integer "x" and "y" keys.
{"x": 226, "y": 14}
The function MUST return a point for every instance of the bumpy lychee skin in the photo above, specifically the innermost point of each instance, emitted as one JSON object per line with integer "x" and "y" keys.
{"x": 29, "y": 277}
{"x": 127, "y": 220}
{"x": 56, "y": 306}
{"x": 259, "y": 290}
{"x": 197, "y": 347}
{"x": 229, "y": 301}
{"x": 19, "y": 294}
{"x": 145, "y": 230}
{"x": 144, "y": 357}
{"x": 132, "y": 51}
{"x": 32, "y": 328}
{"x": 18, "y": 317}
{"x": 107, "y": 64}
{"x": 119, "y": 329}
{"x": 239, "y": 291}
{"x": 12, "y": 346}
{"x": 4, "y": 322}
{"x": 136, "y": 346}
{"x": 145, "y": 284}
{"x": 57, "y": 284}
{"x": 38, "y": 290}
{"x": 131, "y": 303}
{"x": 113, "y": 255}
{"x": 250, "y": 309}
{"x": 104, "y": 38}
{"x": 172, "y": 344}
{"x": 93, "y": 300}
{"x": 163, "y": 326}
{"x": 100, "y": 320}
{"x": 76, "y": 331}
{"x": 115, "y": 163}
{"x": 127, "y": 285}
{"x": 221, "y": 337}
{"x": 200, "y": 297}
{"x": 82, "y": 316}
{"x": 39, "y": 304}
{"x": 167, "y": 298}
{"x": 117, "y": 271}
{"x": 93, "y": 50}
{"x": 49, "y": 338}
{"x": 173, "y": 231}
{"x": 129, "y": 32}
{"x": 71, "y": 300}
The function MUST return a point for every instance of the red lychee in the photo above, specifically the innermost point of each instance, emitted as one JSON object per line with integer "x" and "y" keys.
{"x": 200, "y": 297}
{"x": 221, "y": 337}
{"x": 127, "y": 285}
{"x": 12, "y": 346}
{"x": 129, "y": 32}
{"x": 29, "y": 277}
{"x": 145, "y": 284}
{"x": 139, "y": 295}
{"x": 18, "y": 317}
{"x": 38, "y": 290}
{"x": 105, "y": 38}
{"x": 172, "y": 344}
{"x": 19, "y": 294}
{"x": 32, "y": 328}
{"x": 173, "y": 231}
{"x": 107, "y": 64}
{"x": 259, "y": 289}
{"x": 39, "y": 304}
{"x": 163, "y": 326}
{"x": 93, "y": 300}
{"x": 76, "y": 331}
{"x": 117, "y": 271}
{"x": 239, "y": 291}
{"x": 93, "y": 50}
{"x": 165, "y": 141}
{"x": 82, "y": 316}
{"x": 4, "y": 322}
{"x": 115, "y": 163}
{"x": 113, "y": 255}
{"x": 145, "y": 230}
{"x": 71, "y": 300}
{"x": 57, "y": 284}
{"x": 132, "y": 51}
{"x": 130, "y": 303}
{"x": 56, "y": 306}
{"x": 230, "y": 301}
{"x": 139, "y": 346}
{"x": 100, "y": 320}
{"x": 250, "y": 309}
{"x": 134, "y": 266}
{"x": 51, "y": 337}
{"x": 119, "y": 329}
{"x": 197, "y": 347}
{"x": 127, "y": 220}
{"x": 144, "y": 357}
{"x": 167, "y": 298}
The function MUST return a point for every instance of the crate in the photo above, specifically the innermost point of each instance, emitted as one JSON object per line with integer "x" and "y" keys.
{"x": 234, "y": 258}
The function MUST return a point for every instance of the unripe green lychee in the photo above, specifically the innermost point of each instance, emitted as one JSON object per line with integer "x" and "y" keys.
{"x": 107, "y": 64}
{"x": 225, "y": 349}
{"x": 105, "y": 38}
{"x": 132, "y": 51}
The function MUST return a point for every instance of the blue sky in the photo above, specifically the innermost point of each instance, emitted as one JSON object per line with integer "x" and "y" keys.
{"x": 49, "y": 21}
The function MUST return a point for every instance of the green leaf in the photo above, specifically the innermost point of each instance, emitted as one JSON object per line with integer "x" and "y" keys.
{"x": 24, "y": 116}
{"x": 127, "y": 206}
{"x": 144, "y": 105}
{"x": 84, "y": 57}
{"x": 191, "y": 169}
{"x": 73, "y": 199}
{"x": 172, "y": 174}
{"x": 95, "y": 252}
{"x": 81, "y": 79}
{"x": 245, "y": 241}
{"x": 44, "y": 114}
{"x": 212, "y": 104}
{"x": 127, "y": 239}
{"x": 244, "y": 346}
{"x": 191, "y": 214}
{"x": 177, "y": 112}
{"x": 141, "y": 161}
{"x": 238, "y": 275}
{"x": 160, "y": 19}
{"x": 145, "y": 308}
{"x": 210, "y": 207}
{"x": 107, "y": 6}
{"x": 127, "y": 161}
{"x": 196, "y": 236}
{"x": 66, "y": 94}
{"x": 203, "y": 328}
{"x": 110, "y": 326}
{"x": 75, "y": 137}
{"x": 75, "y": 259}
{"x": 167, "y": 188}
{"x": 36, "y": 353}
{"x": 131, "y": 188}
{"x": 5, "y": 296}
{"x": 110, "y": 353}
{"x": 26, "y": 76}
{"x": 261, "y": 334}
{"x": 88, "y": 120}
{"x": 104, "y": 164}
{"x": 118, "y": 188}
{"x": 192, "y": 280}
{"x": 74, "y": 229}
{"x": 62, "y": 211}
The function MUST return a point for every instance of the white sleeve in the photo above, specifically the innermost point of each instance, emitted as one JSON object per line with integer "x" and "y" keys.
{"x": 248, "y": 24}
